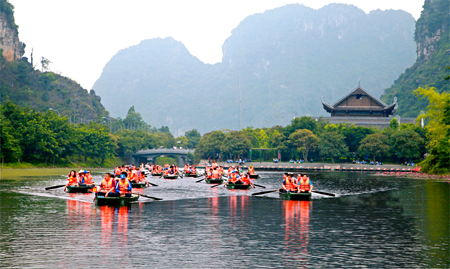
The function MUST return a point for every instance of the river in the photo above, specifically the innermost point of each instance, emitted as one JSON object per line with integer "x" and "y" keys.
{"x": 372, "y": 222}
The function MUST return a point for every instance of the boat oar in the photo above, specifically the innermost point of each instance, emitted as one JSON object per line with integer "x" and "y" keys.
{"x": 216, "y": 185}
{"x": 154, "y": 185}
{"x": 261, "y": 186}
{"x": 180, "y": 174}
{"x": 146, "y": 196}
{"x": 54, "y": 187}
{"x": 325, "y": 193}
{"x": 264, "y": 192}
{"x": 199, "y": 180}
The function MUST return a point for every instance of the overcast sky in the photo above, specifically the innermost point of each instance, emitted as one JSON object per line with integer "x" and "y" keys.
{"x": 81, "y": 36}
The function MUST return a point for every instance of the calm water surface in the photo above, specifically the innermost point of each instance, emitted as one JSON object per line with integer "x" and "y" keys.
{"x": 373, "y": 222}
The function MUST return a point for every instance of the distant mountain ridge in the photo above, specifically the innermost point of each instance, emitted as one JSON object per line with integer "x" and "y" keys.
{"x": 286, "y": 59}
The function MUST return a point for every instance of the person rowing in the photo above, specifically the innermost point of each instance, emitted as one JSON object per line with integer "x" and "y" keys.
{"x": 108, "y": 187}
{"x": 289, "y": 184}
{"x": 251, "y": 170}
{"x": 246, "y": 180}
{"x": 234, "y": 177}
{"x": 72, "y": 180}
{"x": 304, "y": 184}
{"x": 215, "y": 173}
{"x": 82, "y": 178}
{"x": 124, "y": 186}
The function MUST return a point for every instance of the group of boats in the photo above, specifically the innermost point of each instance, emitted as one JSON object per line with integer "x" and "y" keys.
{"x": 234, "y": 179}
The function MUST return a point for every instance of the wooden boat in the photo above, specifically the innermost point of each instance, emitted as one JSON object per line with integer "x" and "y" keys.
{"x": 138, "y": 184}
{"x": 115, "y": 201}
{"x": 232, "y": 186}
{"x": 303, "y": 196}
{"x": 170, "y": 176}
{"x": 79, "y": 189}
{"x": 214, "y": 181}
{"x": 254, "y": 176}
{"x": 191, "y": 175}
{"x": 157, "y": 174}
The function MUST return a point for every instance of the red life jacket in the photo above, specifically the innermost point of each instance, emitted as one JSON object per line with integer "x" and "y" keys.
{"x": 123, "y": 187}
{"x": 304, "y": 185}
{"x": 215, "y": 174}
{"x": 106, "y": 186}
{"x": 251, "y": 170}
{"x": 72, "y": 180}
{"x": 289, "y": 185}
{"x": 233, "y": 177}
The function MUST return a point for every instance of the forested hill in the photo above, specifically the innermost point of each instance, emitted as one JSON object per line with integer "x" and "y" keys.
{"x": 433, "y": 55}
{"x": 286, "y": 59}
{"x": 24, "y": 85}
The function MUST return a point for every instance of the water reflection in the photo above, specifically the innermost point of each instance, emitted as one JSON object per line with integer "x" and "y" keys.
{"x": 296, "y": 234}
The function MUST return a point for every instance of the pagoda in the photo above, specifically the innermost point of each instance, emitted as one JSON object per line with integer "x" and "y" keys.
{"x": 360, "y": 103}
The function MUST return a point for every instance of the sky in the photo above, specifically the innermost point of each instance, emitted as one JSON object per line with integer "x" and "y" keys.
{"x": 80, "y": 36}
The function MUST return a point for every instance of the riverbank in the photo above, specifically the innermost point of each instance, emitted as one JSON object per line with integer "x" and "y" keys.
{"x": 38, "y": 172}
{"x": 331, "y": 166}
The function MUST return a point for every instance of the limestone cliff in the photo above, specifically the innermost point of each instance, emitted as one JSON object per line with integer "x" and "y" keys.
{"x": 433, "y": 55}
{"x": 430, "y": 27}
{"x": 12, "y": 48}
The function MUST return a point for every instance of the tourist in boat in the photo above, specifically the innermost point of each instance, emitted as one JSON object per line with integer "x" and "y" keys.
{"x": 234, "y": 177}
{"x": 108, "y": 187}
{"x": 215, "y": 173}
{"x": 289, "y": 184}
{"x": 81, "y": 178}
{"x": 132, "y": 175}
{"x": 88, "y": 177}
{"x": 72, "y": 179}
{"x": 251, "y": 170}
{"x": 124, "y": 186}
{"x": 304, "y": 184}
{"x": 117, "y": 170}
{"x": 214, "y": 165}
{"x": 246, "y": 180}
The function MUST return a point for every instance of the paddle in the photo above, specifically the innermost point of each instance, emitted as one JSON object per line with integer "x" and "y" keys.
{"x": 325, "y": 193}
{"x": 146, "y": 196}
{"x": 264, "y": 192}
{"x": 180, "y": 174}
{"x": 261, "y": 186}
{"x": 154, "y": 185}
{"x": 54, "y": 187}
{"x": 216, "y": 185}
{"x": 199, "y": 180}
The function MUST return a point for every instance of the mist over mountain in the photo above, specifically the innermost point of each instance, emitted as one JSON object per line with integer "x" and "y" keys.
{"x": 285, "y": 59}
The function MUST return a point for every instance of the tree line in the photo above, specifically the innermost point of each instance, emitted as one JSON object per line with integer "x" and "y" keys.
{"x": 27, "y": 135}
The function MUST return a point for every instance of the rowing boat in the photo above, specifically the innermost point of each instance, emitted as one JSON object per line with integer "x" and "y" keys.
{"x": 191, "y": 175}
{"x": 232, "y": 186}
{"x": 170, "y": 176}
{"x": 79, "y": 189}
{"x": 254, "y": 176}
{"x": 138, "y": 184}
{"x": 115, "y": 201}
{"x": 214, "y": 181}
{"x": 302, "y": 196}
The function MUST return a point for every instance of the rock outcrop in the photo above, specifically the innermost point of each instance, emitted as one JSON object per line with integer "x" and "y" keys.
{"x": 13, "y": 49}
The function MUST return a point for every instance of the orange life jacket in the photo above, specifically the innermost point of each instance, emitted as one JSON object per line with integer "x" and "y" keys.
{"x": 88, "y": 180}
{"x": 251, "y": 170}
{"x": 233, "y": 177}
{"x": 72, "y": 180}
{"x": 106, "y": 186}
{"x": 289, "y": 184}
{"x": 246, "y": 180}
{"x": 215, "y": 174}
{"x": 304, "y": 185}
{"x": 123, "y": 187}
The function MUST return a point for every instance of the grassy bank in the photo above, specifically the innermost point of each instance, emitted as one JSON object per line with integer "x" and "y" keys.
{"x": 39, "y": 172}
{"x": 112, "y": 162}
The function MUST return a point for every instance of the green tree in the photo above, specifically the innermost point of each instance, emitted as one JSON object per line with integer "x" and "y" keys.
{"x": 301, "y": 123}
{"x": 193, "y": 137}
{"x": 393, "y": 124}
{"x": 263, "y": 139}
{"x": 209, "y": 144}
{"x": 235, "y": 144}
{"x": 407, "y": 143}
{"x": 438, "y": 130}
{"x": 305, "y": 141}
{"x": 332, "y": 144}
{"x": 374, "y": 144}
{"x": 182, "y": 141}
